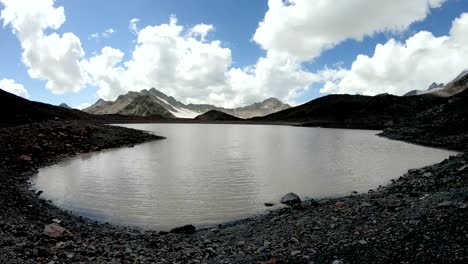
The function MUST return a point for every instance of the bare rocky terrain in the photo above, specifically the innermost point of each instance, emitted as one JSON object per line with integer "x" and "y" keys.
{"x": 420, "y": 217}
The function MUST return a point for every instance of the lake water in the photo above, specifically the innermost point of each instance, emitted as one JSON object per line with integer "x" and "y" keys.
{"x": 205, "y": 174}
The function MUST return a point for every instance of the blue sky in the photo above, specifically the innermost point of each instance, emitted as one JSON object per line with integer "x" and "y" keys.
{"x": 235, "y": 23}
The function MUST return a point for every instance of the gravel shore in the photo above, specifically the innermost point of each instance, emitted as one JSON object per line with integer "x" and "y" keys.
{"x": 418, "y": 218}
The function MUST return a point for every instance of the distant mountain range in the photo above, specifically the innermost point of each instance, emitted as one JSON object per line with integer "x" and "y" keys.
{"x": 351, "y": 111}
{"x": 153, "y": 102}
{"x": 452, "y": 88}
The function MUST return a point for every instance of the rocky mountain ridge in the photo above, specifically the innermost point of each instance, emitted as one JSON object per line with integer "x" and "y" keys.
{"x": 452, "y": 88}
{"x": 153, "y": 102}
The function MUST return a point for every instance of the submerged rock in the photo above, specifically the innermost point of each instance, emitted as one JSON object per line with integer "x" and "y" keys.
{"x": 291, "y": 199}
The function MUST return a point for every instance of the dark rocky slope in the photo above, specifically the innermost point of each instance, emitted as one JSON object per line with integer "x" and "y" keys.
{"x": 144, "y": 106}
{"x": 444, "y": 125}
{"x": 355, "y": 110}
{"x": 17, "y": 110}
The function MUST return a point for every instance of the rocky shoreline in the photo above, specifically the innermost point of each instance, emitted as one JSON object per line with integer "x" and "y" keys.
{"x": 418, "y": 218}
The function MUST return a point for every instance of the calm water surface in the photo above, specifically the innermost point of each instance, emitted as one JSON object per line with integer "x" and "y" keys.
{"x": 207, "y": 174}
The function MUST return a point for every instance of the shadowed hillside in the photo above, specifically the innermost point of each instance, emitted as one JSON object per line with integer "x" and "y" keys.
{"x": 17, "y": 110}
{"x": 214, "y": 115}
{"x": 356, "y": 110}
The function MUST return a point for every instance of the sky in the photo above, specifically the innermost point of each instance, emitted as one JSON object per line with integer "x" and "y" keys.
{"x": 229, "y": 53}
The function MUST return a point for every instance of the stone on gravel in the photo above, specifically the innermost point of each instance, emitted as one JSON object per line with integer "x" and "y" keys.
{"x": 295, "y": 252}
{"x": 241, "y": 243}
{"x": 271, "y": 261}
{"x": 362, "y": 242}
{"x": 56, "y": 231}
{"x": 366, "y": 204}
{"x": 340, "y": 204}
{"x": 445, "y": 204}
{"x": 25, "y": 158}
{"x": 291, "y": 199}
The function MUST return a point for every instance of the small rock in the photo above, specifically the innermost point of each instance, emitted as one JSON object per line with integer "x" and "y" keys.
{"x": 266, "y": 244}
{"x": 337, "y": 262}
{"x": 271, "y": 261}
{"x": 269, "y": 204}
{"x": 56, "y": 221}
{"x": 25, "y": 158}
{"x": 70, "y": 255}
{"x": 294, "y": 240}
{"x": 56, "y": 231}
{"x": 463, "y": 206}
{"x": 187, "y": 229}
{"x": 366, "y": 204}
{"x": 445, "y": 204}
{"x": 340, "y": 204}
{"x": 211, "y": 251}
{"x": 291, "y": 199}
{"x": 362, "y": 242}
{"x": 295, "y": 253}
{"x": 241, "y": 243}
{"x": 427, "y": 174}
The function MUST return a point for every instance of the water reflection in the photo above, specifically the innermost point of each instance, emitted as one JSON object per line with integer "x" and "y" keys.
{"x": 206, "y": 174}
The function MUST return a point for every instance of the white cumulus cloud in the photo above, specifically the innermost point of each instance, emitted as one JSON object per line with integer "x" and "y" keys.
{"x": 53, "y": 58}
{"x": 399, "y": 67}
{"x": 13, "y": 87}
{"x": 304, "y": 28}
{"x": 165, "y": 58}
{"x": 201, "y": 30}
{"x": 184, "y": 63}
{"x": 104, "y": 35}
{"x": 181, "y": 63}
{"x": 134, "y": 25}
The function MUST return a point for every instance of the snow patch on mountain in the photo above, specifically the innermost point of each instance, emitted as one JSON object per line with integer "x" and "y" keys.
{"x": 180, "y": 112}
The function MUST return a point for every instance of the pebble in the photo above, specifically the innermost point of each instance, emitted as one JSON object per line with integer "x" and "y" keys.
{"x": 295, "y": 252}
{"x": 362, "y": 242}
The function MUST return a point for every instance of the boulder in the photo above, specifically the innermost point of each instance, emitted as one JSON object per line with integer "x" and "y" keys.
{"x": 187, "y": 229}
{"x": 291, "y": 199}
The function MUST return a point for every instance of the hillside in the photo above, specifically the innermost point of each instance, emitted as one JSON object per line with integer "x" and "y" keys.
{"x": 355, "y": 110}
{"x": 144, "y": 106}
{"x": 214, "y": 115}
{"x": 17, "y": 110}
